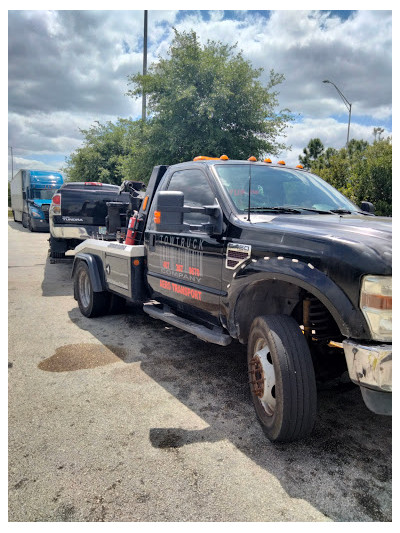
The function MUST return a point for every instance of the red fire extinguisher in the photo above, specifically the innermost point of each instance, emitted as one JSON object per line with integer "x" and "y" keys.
{"x": 130, "y": 234}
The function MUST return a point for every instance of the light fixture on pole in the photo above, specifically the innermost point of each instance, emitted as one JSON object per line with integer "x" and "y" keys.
{"x": 346, "y": 103}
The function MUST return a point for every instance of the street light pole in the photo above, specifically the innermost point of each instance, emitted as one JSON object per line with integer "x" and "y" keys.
{"x": 346, "y": 103}
{"x": 12, "y": 162}
{"x": 144, "y": 65}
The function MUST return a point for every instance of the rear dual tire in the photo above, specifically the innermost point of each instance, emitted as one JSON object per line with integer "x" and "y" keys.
{"x": 91, "y": 303}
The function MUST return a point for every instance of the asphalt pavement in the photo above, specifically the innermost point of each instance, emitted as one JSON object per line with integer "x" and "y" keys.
{"x": 125, "y": 419}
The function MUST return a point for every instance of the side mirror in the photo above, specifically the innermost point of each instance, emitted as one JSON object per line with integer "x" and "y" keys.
{"x": 168, "y": 215}
{"x": 170, "y": 208}
{"x": 368, "y": 207}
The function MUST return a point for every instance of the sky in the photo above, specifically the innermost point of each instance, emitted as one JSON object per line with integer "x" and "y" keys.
{"x": 68, "y": 68}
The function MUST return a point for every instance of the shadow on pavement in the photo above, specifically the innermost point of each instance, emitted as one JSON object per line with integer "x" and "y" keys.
{"x": 343, "y": 469}
{"x": 57, "y": 278}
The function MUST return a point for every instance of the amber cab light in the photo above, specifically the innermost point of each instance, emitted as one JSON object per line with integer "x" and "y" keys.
{"x": 299, "y": 166}
{"x": 145, "y": 201}
{"x": 224, "y": 157}
{"x": 281, "y": 162}
{"x": 267, "y": 160}
{"x": 205, "y": 158}
{"x": 252, "y": 158}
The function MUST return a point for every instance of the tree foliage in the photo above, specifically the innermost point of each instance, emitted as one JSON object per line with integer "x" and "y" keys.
{"x": 105, "y": 148}
{"x": 202, "y": 100}
{"x": 361, "y": 171}
{"x": 205, "y": 100}
{"x": 313, "y": 151}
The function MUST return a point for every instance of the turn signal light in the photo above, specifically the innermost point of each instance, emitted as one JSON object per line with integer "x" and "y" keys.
{"x": 376, "y": 301}
{"x": 157, "y": 217}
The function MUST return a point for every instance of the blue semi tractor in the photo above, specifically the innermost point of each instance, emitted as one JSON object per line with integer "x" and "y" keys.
{"x": 31, "y": 194}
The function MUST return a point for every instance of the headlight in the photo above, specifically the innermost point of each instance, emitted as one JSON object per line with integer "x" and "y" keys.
{"x": 376, "y": 304}
{"x": 36, "y": 213}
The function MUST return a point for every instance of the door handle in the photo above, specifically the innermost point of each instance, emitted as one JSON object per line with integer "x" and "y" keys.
{"x": 152, "y": 241}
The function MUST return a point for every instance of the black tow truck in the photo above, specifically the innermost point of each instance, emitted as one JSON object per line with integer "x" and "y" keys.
{"x": 271, "y": 256}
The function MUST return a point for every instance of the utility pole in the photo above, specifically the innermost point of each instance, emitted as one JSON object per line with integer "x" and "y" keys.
{"x": 144, "y": 65}
{"x": 12, "y": 162}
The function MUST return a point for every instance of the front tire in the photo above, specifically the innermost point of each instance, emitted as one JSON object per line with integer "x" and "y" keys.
{"x": 91, "y": 304}
{"x": 282, "y": 378}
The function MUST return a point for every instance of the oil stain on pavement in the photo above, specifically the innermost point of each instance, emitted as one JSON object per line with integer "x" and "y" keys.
{"x": 82, "y": 356}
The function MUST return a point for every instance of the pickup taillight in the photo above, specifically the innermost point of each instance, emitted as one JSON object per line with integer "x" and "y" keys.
{"x": 56, "y": 204}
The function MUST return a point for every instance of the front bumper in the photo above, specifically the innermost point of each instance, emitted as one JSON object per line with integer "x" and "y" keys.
{"x": 370, "y": 367}
{"x": 72, "y": 232}
{"x": 39, "y": 224}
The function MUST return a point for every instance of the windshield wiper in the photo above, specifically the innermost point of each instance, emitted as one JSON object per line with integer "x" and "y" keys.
{"x": 319, "y": 211}
{"x": 341, "y": 211}
{"x": 276, "y": 209}
{"x": 298, "y": 209}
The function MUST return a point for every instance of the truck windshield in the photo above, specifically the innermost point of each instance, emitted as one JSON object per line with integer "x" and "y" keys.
{"x": 272, "y": 188}
{"x": 42, "y": 194}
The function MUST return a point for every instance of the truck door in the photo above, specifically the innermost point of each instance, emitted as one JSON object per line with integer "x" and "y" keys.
{"x": 184, "y": 269}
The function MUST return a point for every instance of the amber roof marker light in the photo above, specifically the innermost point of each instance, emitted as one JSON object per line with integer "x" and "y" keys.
{"x": 208, "y": 158}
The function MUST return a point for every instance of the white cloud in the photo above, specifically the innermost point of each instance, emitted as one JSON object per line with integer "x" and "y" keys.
{"x": 71, "y": 68}
{"x": 333, "y": 134}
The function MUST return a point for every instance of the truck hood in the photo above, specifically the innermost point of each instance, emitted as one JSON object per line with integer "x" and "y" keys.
{"x": 367, "y": 239}
{"x": 38, "y": 202}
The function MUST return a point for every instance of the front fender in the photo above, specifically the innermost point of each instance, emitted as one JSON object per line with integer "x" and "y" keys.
{"x": 349, "y": 319}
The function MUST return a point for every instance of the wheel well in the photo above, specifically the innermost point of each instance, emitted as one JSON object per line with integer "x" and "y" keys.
{"x": 280, "y": 297}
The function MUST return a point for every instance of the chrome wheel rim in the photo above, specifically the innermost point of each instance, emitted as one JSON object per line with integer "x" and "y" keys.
{"x": 84, "y": 289}
{"x": 262, "y": 377}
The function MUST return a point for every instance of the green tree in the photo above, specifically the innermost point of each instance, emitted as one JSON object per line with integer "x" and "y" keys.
{"x": 102, "y": 156}
{"x": 314, "y": 150}
{"x": 372, "y": 180}
{"x": 205, "y": 100}
{"x": 360, "y": 171}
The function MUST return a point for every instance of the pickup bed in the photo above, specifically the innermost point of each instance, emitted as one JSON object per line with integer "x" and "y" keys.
{"x": 79, "y": 211}
{"x": 270, "y": 256}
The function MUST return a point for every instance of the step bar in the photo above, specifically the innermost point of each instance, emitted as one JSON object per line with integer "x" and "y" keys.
{"x": 215, "y": 335}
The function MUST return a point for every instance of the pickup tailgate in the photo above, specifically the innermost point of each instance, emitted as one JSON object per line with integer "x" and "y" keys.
{"x": 87, "y": 207}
